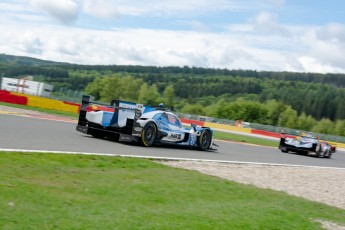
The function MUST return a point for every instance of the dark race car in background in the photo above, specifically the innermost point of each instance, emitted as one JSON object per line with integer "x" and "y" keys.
{"x": 130, "y": 122}
{"x": 307, "y": 145}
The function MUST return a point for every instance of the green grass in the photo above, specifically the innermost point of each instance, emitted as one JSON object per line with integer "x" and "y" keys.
{"x": 246, "y": 139}
{"x": 50, "y": 111}
{"x": 57, "y": 191}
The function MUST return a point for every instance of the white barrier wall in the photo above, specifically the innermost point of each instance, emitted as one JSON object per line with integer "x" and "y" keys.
{"x": 26, "y": 87}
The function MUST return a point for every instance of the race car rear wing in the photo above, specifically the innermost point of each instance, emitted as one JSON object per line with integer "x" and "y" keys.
{"x": 115, "y": 114}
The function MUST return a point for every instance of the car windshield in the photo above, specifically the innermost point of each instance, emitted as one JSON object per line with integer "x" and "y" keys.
{"x": 173, "y": 120}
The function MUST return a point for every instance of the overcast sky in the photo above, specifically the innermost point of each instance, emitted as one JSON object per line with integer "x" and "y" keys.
{"x": 273, "y": 35}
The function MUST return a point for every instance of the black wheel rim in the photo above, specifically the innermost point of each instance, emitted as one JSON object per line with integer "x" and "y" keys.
{"x": 205, "y": 140}
{"x": 150, "y": 134}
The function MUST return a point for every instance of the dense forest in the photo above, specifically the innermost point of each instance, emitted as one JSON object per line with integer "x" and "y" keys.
{"x": 308, "y": 101}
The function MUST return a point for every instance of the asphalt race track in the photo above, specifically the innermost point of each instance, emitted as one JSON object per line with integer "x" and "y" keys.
{"x": 19, "y": 132}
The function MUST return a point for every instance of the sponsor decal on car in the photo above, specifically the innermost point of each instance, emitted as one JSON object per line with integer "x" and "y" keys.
{"x": 175, "y": 136}
{"x": 138, "y": 129}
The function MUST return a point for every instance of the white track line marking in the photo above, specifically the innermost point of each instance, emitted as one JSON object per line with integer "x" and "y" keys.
{"x": 165, "y": 158}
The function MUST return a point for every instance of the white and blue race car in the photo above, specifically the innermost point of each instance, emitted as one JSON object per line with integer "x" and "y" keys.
{"x": 130, "y": 122}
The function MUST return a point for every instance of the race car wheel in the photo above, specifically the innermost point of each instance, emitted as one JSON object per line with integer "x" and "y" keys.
{"x": 148, "y": 135}
{"x": 327, "y": 154}
{"x": 283, "y": 149}
{"x": 318, "y": 150}
{"x": 205, "y": 139}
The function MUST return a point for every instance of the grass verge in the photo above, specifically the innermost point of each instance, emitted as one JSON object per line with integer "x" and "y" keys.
{"x": 57, "y": 191}
{"x": 245, "y": 138}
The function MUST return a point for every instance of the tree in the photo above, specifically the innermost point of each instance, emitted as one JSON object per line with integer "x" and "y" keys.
{"x": 169, "y": 96}
{"x": 153, "y": 96}
{"x": 288, "y": 118}
{"x": 115, "y": 87}
{"x": 112, "y": 89}
{"x": 325, "y": 126}
{"x": 149, "y": 95}
{"x": 196, "y": 109}
{"x": 305, "y": 122}
{"x": 274, "y": 110}
{"x": 340, "y": 111}
{"x": 340, "y": 128}
{"x": 131, "y": 87}
{"x": 250, "y": 111}
{"x": 95, "y": 88}
{"x": 143, "y": 93}
{"x": 219, "y": 110}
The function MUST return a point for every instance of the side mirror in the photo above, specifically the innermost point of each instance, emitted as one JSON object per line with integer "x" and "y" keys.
{"x": 194, "y": 126}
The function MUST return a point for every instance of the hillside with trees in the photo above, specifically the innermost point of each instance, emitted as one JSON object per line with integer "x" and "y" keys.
{"x": 306, "y": 101}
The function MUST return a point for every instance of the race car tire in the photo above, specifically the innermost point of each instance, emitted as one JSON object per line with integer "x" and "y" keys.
{"x": 284, "y": 149}
{"x": 327, "y": 154}
{"x": 148, "y": 134}
{"x": 205, "y": 139}
{"x": 318, "y": 150}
